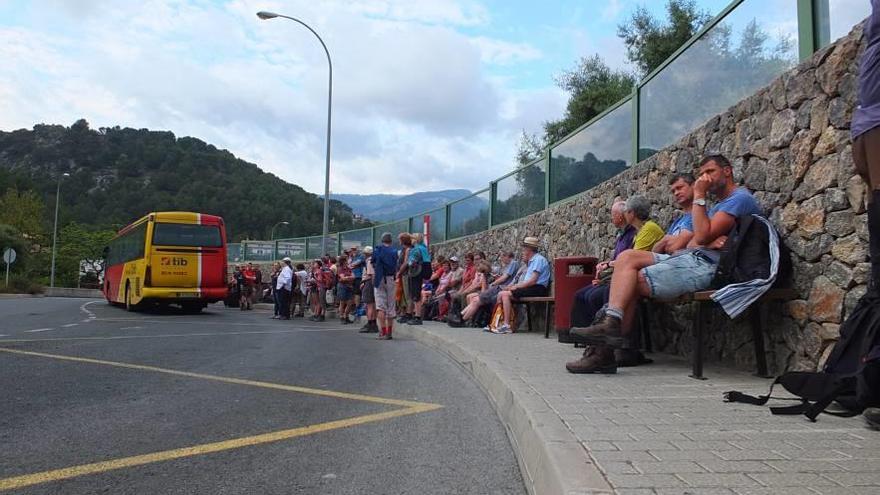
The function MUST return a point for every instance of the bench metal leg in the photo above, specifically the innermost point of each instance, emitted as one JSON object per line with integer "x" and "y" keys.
{"x": 758, "y": 319}
{"x": 697, "y": 357}
{"x": 547, "y": 320}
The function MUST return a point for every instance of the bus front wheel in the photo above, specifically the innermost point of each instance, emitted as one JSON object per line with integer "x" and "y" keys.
{"x": 128, "y": 304}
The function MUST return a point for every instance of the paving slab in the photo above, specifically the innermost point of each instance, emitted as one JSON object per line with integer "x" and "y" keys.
{"x": 650, "y": 429}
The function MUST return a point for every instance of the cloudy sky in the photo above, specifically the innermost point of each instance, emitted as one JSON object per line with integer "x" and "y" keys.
{"x": 427, "y": 94}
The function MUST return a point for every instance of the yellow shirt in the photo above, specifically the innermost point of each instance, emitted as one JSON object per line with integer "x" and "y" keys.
{"x": 647, "y": 236}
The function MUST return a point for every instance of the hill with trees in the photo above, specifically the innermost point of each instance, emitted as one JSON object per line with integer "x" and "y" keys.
{"x": 119, "y": 174}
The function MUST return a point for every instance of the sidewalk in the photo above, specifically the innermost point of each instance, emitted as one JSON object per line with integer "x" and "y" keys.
{"x": 652, "y": 429}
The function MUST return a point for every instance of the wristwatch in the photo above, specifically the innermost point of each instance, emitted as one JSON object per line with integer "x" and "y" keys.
{"x": 700, "y": 201}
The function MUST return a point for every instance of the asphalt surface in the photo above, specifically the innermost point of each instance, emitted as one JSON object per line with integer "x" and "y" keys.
{"x": 209, "y": 403}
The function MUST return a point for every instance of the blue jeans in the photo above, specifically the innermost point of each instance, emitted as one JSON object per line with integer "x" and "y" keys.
{"x": 681, "y": 273}
{"x": 587, "y": 301}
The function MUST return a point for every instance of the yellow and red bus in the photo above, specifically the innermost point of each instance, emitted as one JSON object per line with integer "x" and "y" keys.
{"x": 170, "y": 257}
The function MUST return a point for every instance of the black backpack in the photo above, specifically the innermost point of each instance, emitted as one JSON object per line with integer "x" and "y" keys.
{"x": 851, "y": 376}
{"x": 746, "y": 255}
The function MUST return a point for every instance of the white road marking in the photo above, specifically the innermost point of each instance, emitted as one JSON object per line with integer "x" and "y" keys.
{"x": 68, "y": 325}
{"x": 130, "y": 328}
{"x": 38, "y": 330}
{"x": 3, "y": 335}
{"x": 86, "y": 310}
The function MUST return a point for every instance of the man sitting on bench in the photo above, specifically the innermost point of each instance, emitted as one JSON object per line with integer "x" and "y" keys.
{"x": 677, "y": 237}
{"x": 535, "y": 283}
{"x": 643, "y": 274}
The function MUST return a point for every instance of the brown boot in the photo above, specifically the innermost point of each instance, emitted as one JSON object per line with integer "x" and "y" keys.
{"x": 606, "y": 332}
{"x": 596, "y": 359}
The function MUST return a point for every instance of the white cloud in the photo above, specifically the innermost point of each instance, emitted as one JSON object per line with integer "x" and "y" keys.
{"x": 414, "y": 106}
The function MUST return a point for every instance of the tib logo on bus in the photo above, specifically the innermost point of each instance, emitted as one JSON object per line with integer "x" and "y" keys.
{"x": 169, "y": 261}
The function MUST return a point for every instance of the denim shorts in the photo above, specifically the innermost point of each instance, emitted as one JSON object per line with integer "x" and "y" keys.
{"x": 673, "y": 275}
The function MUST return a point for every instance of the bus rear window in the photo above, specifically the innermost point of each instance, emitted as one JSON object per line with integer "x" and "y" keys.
{"x": 185, "y": 234}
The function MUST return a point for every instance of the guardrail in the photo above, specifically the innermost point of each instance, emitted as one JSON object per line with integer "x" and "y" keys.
{"x": 734, "y": 55}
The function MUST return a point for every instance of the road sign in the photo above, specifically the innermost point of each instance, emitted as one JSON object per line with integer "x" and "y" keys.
{"x": 9, "y": 258}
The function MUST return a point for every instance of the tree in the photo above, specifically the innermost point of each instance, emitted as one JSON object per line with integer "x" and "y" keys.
{"x": 80, "y": 253}
{"x": 649, "y": 42}
{"x": 23, "y": 211}
{"x": 593, "y": 87}
{"x": 529, "y": 148}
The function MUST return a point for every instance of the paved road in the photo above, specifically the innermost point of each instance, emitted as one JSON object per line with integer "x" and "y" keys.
{"x": 99, "y": 400}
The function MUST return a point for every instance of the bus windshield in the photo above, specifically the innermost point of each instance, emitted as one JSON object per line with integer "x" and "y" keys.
{"x": 186, "y": 234}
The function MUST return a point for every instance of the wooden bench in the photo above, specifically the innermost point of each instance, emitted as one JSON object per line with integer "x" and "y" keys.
{"x": 547, "y": 301}
{"x": 703, "y": 299}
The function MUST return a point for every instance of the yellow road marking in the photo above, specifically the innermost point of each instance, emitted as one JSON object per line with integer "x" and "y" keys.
{"x": 168, "y": 335}
{"x": 408, "y": 408}
{"x": 208, "y": 448}
{"x": 237, "y": 381}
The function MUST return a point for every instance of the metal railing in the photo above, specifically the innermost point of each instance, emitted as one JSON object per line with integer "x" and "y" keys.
{"x": 731, "y": 57}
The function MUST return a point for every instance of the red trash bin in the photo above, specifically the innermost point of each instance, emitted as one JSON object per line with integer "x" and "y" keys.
{"x": 566, "y": 282}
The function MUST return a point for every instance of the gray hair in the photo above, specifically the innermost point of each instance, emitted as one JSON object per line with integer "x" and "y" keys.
{"x": 386, "y": 238}
{"x": 639, "y": 206}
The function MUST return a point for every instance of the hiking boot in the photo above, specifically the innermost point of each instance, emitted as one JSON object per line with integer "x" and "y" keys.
{"x": 596, "y": 359}
{"x": 872, "y": 416}
{"x": 606, "y": 332}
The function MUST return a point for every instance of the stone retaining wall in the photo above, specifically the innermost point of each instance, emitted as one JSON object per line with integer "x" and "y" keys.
{"x": 790, "y": 144}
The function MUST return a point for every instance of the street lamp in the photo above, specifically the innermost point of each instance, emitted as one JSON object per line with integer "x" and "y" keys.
{"x": 326, "y": 227}
{"x": 272, "y": 236}
{"x": 55, "y": 229}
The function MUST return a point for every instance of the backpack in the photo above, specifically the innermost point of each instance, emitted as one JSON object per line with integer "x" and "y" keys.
{"x": 851, "y": 376}
{"x": 497, "y": 317}
{"x": 746, "y": 255}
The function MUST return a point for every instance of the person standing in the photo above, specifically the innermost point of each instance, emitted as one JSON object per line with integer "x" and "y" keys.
{"x": 283, "y": 287}
{"x": 250, "y": 280}
{"x": 368, "y": 295}
{"x": 317, "y": 291}
{"x": 385, "y": 271}
{"x": 276, "y": 270}
{"x": 344, "y": 288}
{"x": 419, "y": 270}
{"x": 300, "y": 291}
{"x": 865, "y": 130}
{"x": 257, "y": 294}
{"x": 403, "y": 271}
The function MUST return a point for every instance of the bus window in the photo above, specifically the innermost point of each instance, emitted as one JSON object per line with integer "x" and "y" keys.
{"x": 186, "y": 234}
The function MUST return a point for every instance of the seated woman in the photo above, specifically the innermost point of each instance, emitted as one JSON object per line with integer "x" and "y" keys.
{"x": 482, "y": 280}
{"x": 487, "y": 297}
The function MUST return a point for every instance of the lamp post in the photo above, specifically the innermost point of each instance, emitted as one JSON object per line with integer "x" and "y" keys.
{"x": 326, "y": 226}
{"x": 272, "y": 235}
{"x": 55, "y": 228}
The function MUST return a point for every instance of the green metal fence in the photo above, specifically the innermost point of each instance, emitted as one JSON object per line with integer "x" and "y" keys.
{"x": 741, "y": 50}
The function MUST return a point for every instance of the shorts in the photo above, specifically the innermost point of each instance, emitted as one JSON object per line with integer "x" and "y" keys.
{"x": 490, "y": 295}
{"x": 415, "y": 289}
{"x": 672, "y": 275}
{"x": 531, "y": 291}
{"x": 368, "y": 295}
{"x": 356, "y": 286}
{"x": 344, "y": 293}
{"x": 385, "y": 297}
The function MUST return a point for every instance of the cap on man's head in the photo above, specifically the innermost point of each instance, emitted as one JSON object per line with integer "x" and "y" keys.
{"x": 454, "y": 259}
{"x": 368, "y": 250}
{"x": 532, "y": 242}
{"x": 287, "y": 260}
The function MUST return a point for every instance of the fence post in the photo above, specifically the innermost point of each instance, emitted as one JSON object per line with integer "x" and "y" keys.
{"x": 635, "y": 125}
{"x": 493, "y": 196}
{"x": 814, "y": 28}
{"x": 547, "y": 177}
{"x": 447, "y": 212}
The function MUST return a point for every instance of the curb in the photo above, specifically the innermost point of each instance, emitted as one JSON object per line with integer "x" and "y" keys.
{"x": 551, "y": 458}
{"x": 20, "y": 296}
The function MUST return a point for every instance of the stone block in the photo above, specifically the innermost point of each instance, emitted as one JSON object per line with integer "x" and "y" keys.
{"x": 862, "y": 273}
{"x": 811, "y": 217}
{"x": 856, "y": 192}
{"x": 783, "y": 128}
{"x": 840, "y": 223}
{"x": 800, "y": 88}
{"x": 836, "y": 199}
{"x": 798, "y": 310}
{"x": 825, "y": 301}
{"x": 839, "y": 113}
{"x": 820, "y": 176}
{"x": 850, "y": 250}
{"x": 830, "y": 331}
{"x": 840, "y": 274}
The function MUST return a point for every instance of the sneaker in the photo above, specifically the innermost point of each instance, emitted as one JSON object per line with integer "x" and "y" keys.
{"x": 606, "y": 332}
{"x": 384, "y": 336}
{"x": 487, "y": 329}
{"x": 275, "y": 317}
{"x": 313, "y": 318}
{"x": 403, "y": 319}
{"x": 596, "y": 359}
{"x": 503, "y": 329}
{"x": 321, "y": 318}
{"x": 415, "y": 321}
